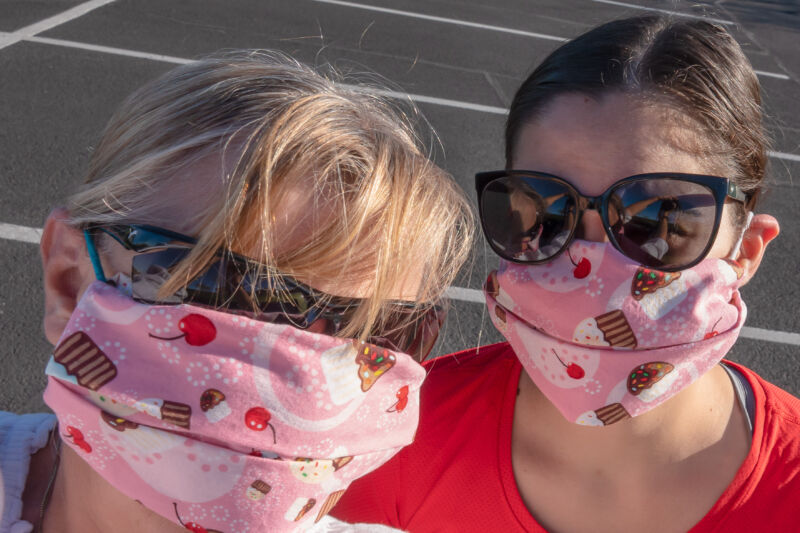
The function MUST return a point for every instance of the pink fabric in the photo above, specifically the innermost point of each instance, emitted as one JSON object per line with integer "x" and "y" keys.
{"x": 224, "y": 423}
{"x": 604, "y": 338}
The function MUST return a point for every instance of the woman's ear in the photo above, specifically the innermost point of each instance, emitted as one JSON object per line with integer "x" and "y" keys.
{"x": 67, "y": 271}
{"x": 762, "y": 230}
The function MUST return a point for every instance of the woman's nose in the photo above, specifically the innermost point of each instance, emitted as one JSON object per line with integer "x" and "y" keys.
{"x": 590, "y": 227}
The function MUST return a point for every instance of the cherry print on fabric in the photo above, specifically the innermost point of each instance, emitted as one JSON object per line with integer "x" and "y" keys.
{"x": 634, "y": 342}
{"x": 197, "y": 330}
{"x": 402, "y": 400}
{"x": 257, "y": 419}
{"x": 579, "y": 270}
{"x": 215, "y": 428}
{"x": 574, "y": 370}
{"x": 76, "y": 436}
{"x": 191, "y": 526}
{"x": 582, "y": 268}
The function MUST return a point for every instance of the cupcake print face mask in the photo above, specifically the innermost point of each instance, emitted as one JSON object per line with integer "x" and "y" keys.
{"x": 217, "y": 421}
{"x": 606, "y": 339}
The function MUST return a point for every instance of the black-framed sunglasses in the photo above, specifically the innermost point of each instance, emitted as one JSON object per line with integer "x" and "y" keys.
{"x": 666, "y": 221}
{"x": 231, "y": 283}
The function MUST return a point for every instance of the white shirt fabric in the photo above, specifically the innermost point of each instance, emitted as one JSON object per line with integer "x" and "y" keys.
{"x": 20, "y": 437}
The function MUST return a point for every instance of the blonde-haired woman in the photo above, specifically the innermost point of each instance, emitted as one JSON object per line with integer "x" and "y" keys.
{"x": 236, "y": 298}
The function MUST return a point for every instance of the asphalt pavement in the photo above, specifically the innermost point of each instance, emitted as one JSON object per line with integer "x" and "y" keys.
{"x": 66, "y": 65}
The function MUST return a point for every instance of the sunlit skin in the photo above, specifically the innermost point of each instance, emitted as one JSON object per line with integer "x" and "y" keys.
{"x": 677, "y": 459}
{"x": 82, "y": 501}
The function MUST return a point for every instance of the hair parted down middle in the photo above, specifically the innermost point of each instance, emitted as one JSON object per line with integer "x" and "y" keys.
{"x": 693, "y": 67}
{"x": 275, "y": 127}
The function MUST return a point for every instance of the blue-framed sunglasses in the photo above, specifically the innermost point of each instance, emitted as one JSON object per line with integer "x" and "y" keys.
{"x": 231, "y": 283}
{"x": 667, "y": 221}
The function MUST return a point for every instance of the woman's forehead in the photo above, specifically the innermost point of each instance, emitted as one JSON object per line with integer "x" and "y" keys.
{"x": 595, "y": 142}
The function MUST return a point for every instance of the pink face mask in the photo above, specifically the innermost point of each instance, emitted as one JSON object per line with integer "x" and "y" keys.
{"x": 219, "y": 422}
{"x": 605, "y": 339}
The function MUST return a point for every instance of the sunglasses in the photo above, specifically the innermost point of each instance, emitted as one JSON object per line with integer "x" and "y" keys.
{"x": 667, "y": 221}
{"x": 231, "y": 282}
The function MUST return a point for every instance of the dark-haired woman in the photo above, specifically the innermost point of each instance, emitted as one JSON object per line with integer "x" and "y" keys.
{"x": 611, "y": 407}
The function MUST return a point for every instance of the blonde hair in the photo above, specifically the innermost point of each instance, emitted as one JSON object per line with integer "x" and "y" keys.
{"x": 273, "y": 125}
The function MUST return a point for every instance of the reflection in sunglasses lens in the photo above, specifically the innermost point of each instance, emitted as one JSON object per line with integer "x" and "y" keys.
{"x": 527, "y": 218}
{"x": 662, "y": 223}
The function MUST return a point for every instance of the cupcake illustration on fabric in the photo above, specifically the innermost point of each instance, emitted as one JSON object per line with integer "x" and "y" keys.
{"x": 311, "y": 471}
{"x": 344, "y": 385}
{"x": 213, "y": 405}
{"x": 493, "y": 288}
{"x": 332, "y": 499}
{"x": 647, "y": 381}
{"x": 657, "y": 292}
{"x": 177, "y": 467}
{"x": 605, "y": 416}
{"x": 299, "y": 508}
{"x": 373, "y": 362}
{"x": 175, "y": 413}
{"x": 77, "y": 359}
{"x": 257, "y": 490}
{"x": 608, "y": 329}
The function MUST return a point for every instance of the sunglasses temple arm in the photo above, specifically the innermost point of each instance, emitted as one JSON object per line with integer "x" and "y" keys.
{"x": 94, "y": 257}
{"x": 735, "y": 249}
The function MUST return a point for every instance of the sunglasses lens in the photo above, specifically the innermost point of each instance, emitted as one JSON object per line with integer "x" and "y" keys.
{"x": 527, "y": 219}
{"x": 151, "y": 270}
{"x": 662, "y": 223}
{"x": 228, "y": 284}
{"x": 412, "y": 335}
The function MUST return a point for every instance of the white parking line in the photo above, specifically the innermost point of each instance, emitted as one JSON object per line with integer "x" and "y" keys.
{"x": 676, "y": 13}
{"x": 8, "y": 39}
{"x": 780, "y": 337}
{"x": 389, "y": 94}
{"x": 13, "y": 232}
{"x": 764, "y": 74}
{"x": 465, "y": 295}
{"x": 783, "y": 155}
{"x": 109, "y": 50}
{"x": 443, "y": 19}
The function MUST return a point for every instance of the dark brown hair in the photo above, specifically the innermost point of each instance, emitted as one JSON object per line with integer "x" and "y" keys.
{"x": 693, "y": 66}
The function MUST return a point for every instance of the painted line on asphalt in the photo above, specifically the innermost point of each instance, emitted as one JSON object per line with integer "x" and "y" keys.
{"x": 465, "y": 295}
{"x": 676, "y": 13}
{"x": 109, "y": 50}
{"x": 387, "y": 93}
{"x": 8, "y": 39}
{"x": 780, "y": 337}
{"x": 181, "y": 61}
{"x": 784, "y": 155}
{"x": 771, "y": 75}
{"x": 14, "y": 232}
{"x": 445, "y": 20}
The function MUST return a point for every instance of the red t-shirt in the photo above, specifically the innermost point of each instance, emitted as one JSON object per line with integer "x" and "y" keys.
{"x": 457, "y": 475}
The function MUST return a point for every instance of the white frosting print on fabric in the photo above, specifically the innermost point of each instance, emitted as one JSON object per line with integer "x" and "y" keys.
{"x": 222, "y": 421}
